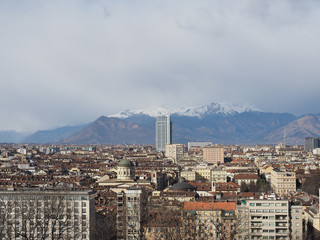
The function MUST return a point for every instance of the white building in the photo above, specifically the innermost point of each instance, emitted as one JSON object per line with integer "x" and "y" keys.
{"x": 174, "y": 151}
{"x": 270, "y": 219}
{"x": 46, "y": 214}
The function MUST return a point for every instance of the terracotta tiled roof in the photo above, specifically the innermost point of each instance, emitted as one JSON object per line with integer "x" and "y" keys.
{"x": 246, "y": 176}
{"x": 209, "y": 206}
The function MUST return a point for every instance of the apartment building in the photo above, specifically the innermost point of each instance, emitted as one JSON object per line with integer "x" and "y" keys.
{"x": 174, "y": 151}
{"x": 219, "y": 174}
{"x": 131, "y": 209}
{"x": 270, "y": 219}
{"x": 283, "y": 182}
{"x": 46, "y": 214}
{"x": 213, "y": 154}
{"x": 205, "y": 172}
{"x": 209, "y": 220}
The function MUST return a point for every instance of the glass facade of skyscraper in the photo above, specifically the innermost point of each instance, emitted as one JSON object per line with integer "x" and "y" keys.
{"x": 163, "y": 132}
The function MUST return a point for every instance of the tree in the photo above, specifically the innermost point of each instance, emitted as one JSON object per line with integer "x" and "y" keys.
{"x": 40, "y": 217}
{"x": 105, "y": 227}
{"x": 244, "y": 187}
{"x": 228, "y": 225}
{"x": 166, "y": 224}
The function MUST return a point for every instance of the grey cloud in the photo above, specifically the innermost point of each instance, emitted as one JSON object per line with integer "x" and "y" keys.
{"x": 68, "y": 62}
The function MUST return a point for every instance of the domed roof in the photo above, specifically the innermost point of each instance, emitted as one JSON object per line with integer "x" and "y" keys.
{"x": 182, "y": 186}
{"x": 125, "y": 163}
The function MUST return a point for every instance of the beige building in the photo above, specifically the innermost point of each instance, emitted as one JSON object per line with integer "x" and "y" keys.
{"x": 283, "y": 182}
{"x": 219, "y": 174}
{"x": 270, "y": 219}
{"x": 174, "y": 151}
{"x": 188, "y": 175}
{"x": 205, "y": 172}
{"x": 213, "y": 154}
{"x": 209, "y": 220}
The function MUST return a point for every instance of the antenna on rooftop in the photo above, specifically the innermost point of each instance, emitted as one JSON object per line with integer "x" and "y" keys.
{"x": 285, "y": 138}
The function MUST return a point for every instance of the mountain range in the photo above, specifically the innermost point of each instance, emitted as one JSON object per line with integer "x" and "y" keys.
{"x": 217, "y": 122}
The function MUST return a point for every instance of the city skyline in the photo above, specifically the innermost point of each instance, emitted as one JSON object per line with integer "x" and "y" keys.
{"x": 67, "y": 63}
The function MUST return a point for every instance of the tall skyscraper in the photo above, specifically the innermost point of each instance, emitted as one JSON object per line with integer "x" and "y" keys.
{"x": 163, "y": 132}
{"x": 311, "y": 143}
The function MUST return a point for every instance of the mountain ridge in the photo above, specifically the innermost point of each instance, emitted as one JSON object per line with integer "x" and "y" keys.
{"x": 212, "y": 108}
{"x": 213, "y": 122}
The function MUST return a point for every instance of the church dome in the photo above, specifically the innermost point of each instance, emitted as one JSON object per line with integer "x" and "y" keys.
{"x": 182, "y": 186}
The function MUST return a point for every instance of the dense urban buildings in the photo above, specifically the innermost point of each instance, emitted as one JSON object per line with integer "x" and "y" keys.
{"x": 163, "y": 132}
{"x": 136, "y": 192}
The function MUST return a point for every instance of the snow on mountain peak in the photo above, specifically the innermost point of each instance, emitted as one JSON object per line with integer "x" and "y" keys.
{"x": 212, "y": 108}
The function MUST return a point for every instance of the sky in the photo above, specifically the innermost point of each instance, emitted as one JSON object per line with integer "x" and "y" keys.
{"x": 69, "y": 62}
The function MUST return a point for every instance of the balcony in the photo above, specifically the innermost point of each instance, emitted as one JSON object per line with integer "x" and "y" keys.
{"x": 256, "y": 225}
{"x": 281, "y": 224}
{"x": 282, "y": 232}
{"x": 281, "y": 218}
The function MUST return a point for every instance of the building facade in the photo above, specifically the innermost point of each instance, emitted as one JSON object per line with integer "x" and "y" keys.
{"x": 209, "y": 220}
{"x": 174, "y": 151}
{"x": 49, "y": 214}
{"x": 213, "y": 154}
{"x": 163, "y": 132}
{"x": 131, "y": 212}
{"x": 270, "y": 219}
{"x": 283, "y": 182}
{"x": 311, "y": 143}
{"x": 219, "y": 174}
{"x": 198, "y": 144}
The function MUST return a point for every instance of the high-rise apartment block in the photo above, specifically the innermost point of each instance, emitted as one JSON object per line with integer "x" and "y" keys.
{"x": 163, "y": 132}
{"x": 269, "y": 219}
{"x": 131, "y": 211}
{"x": 283, "y": 182}
{"x": 213, "y": 154}
{"x": 174, "y": 151}
{"x": 49, "y": 214}
{"x": 311, "y": 143}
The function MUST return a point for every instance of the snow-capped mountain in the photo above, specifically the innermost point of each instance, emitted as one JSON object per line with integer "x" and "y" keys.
{"x": 224, "y": 109}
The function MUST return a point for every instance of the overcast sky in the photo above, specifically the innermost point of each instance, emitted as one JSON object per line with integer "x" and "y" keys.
{"x": 68, "y": 62}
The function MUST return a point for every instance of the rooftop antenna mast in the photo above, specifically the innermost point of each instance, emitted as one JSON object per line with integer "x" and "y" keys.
{"x": 285, "y": 137}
